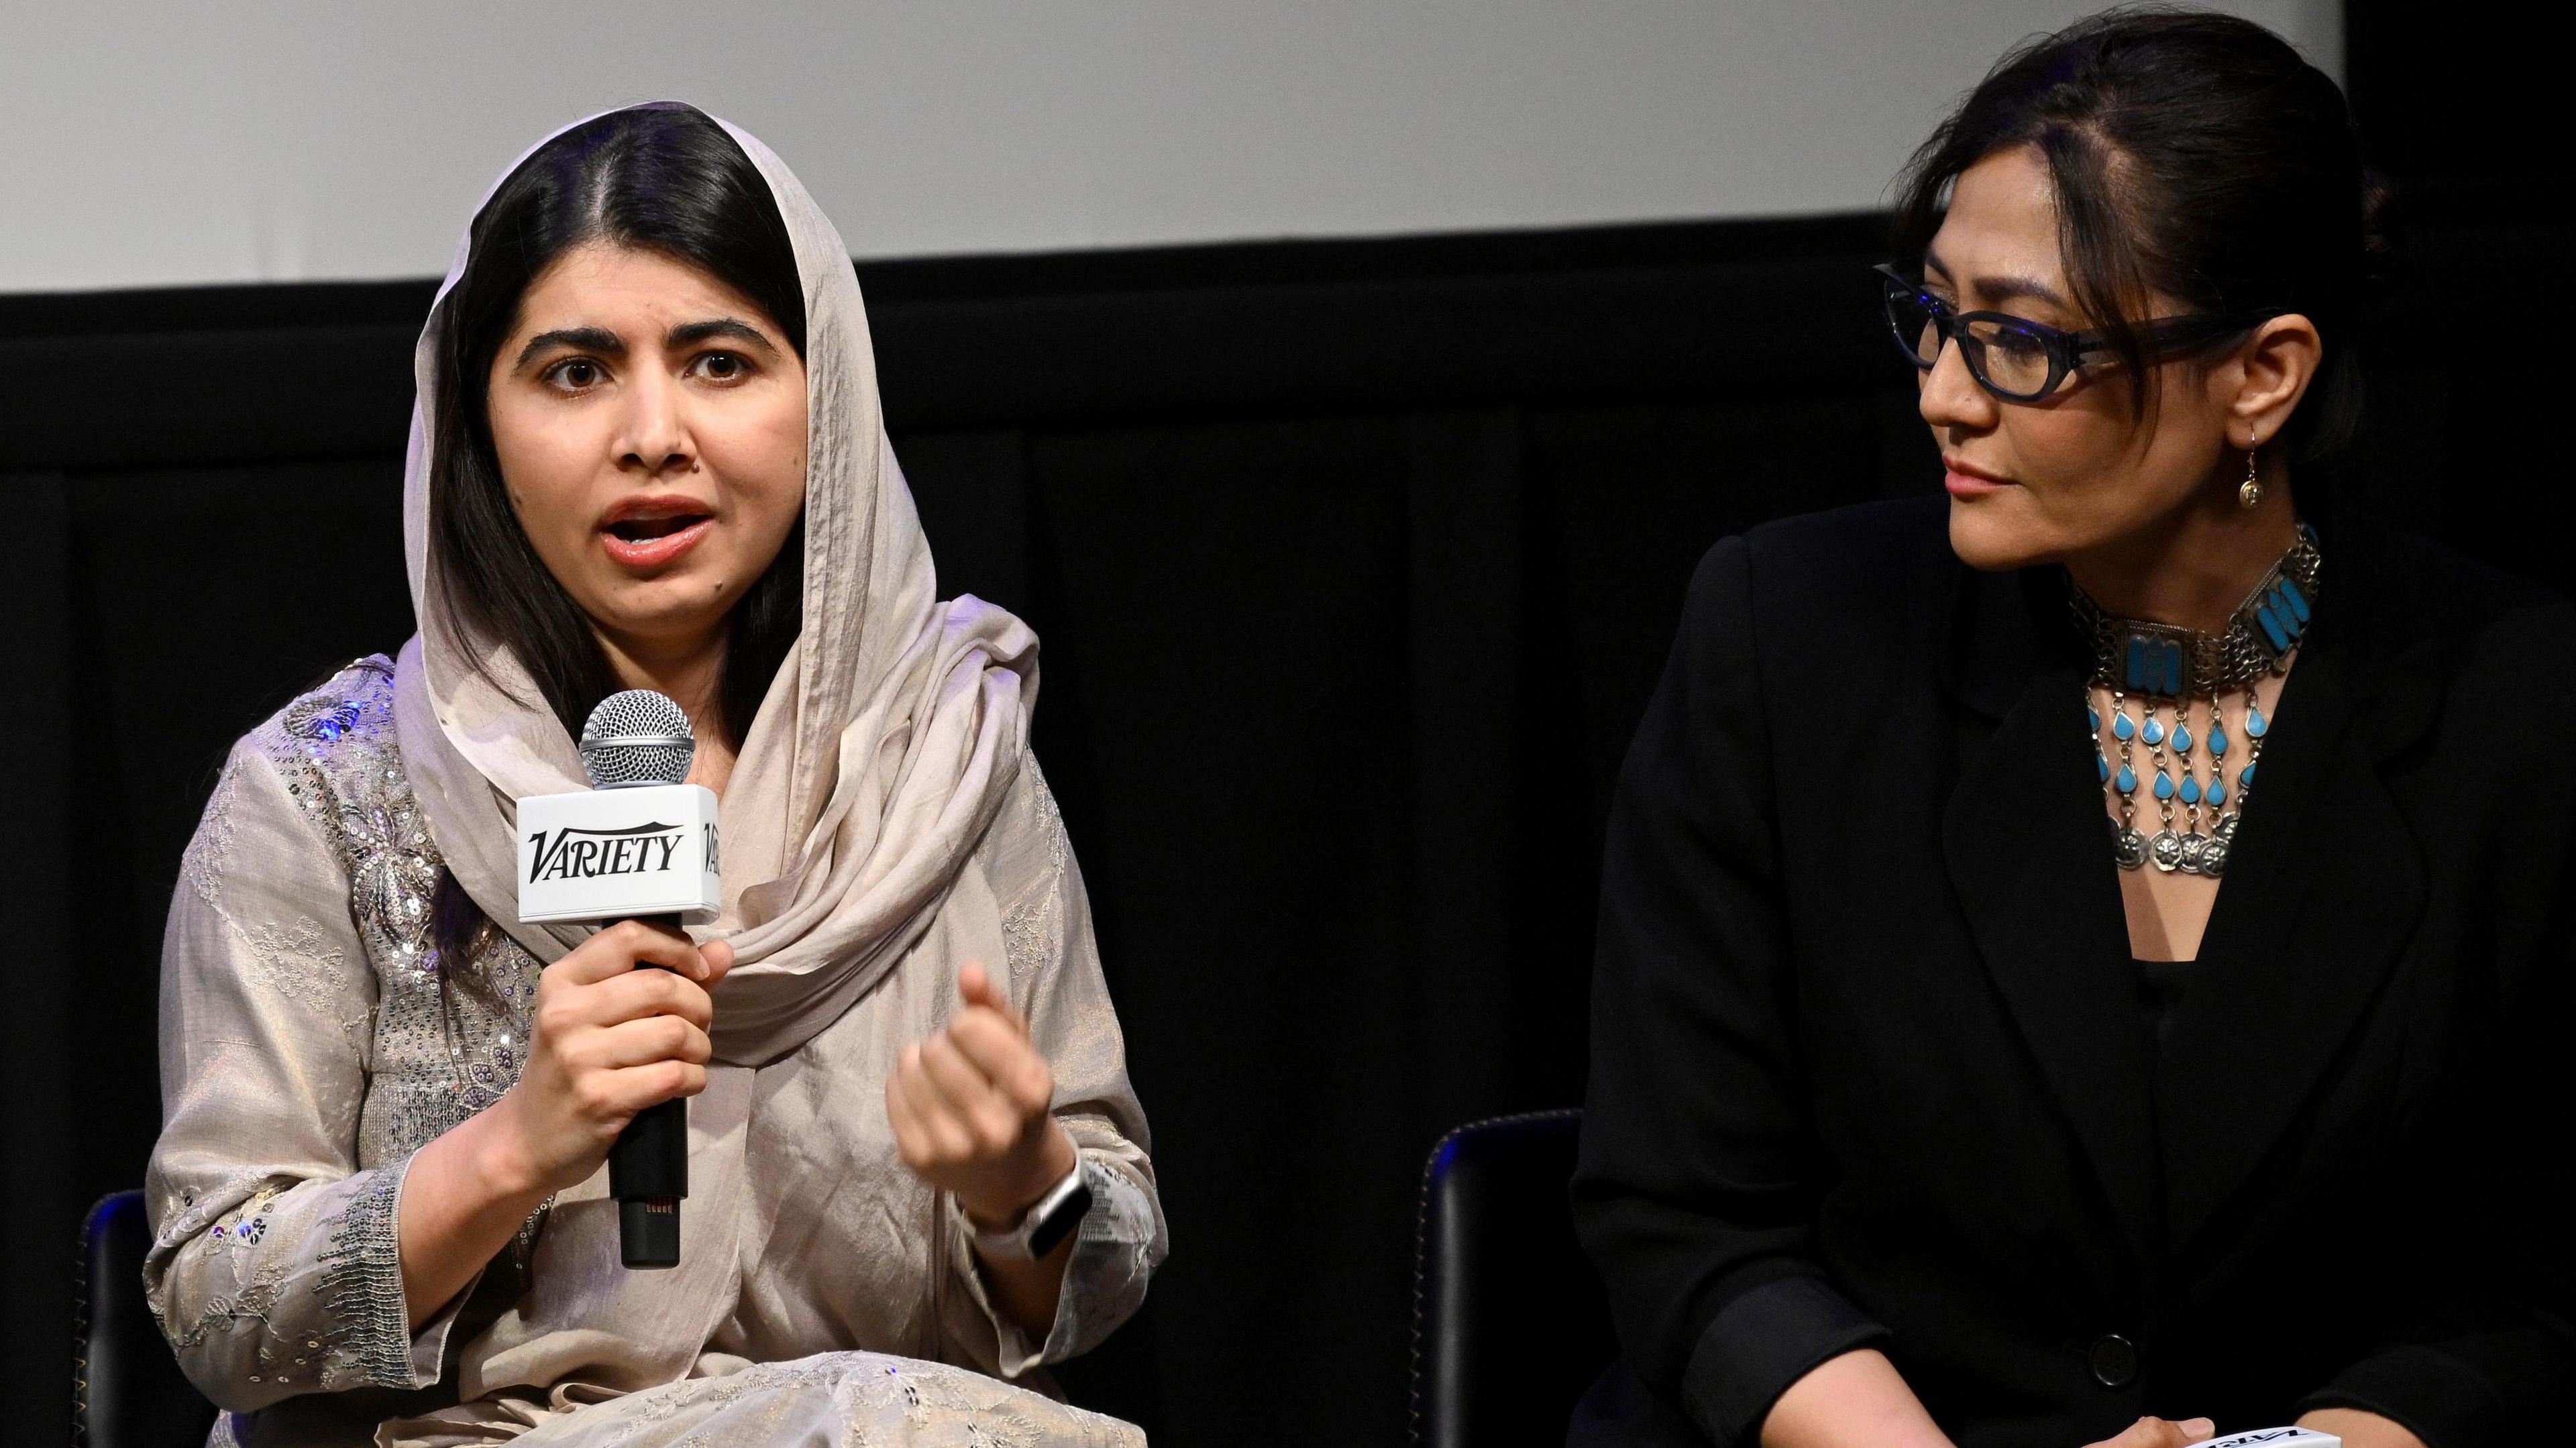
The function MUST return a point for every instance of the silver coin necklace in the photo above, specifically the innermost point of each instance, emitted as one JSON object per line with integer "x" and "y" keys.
{"x": 2171, "y": 675}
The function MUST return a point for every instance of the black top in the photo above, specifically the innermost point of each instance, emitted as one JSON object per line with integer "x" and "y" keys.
{"x": 2160, "y": 986}
{"x": 1868, "y": 1064}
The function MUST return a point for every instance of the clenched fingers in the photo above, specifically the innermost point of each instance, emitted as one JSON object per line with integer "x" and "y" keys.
{"x": 652, "y": 1039}
{"x": 643, "y": 993}
{"x": 998, "y": 1049}
{"x": 969, "y": 1095}
{"x": 928, "y": 1130}
{"x": 613, "y": 1096}
{"x": 626, "y": 945}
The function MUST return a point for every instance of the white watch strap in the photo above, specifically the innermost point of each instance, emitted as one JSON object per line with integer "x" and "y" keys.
{"x": 1014, "y": 1243}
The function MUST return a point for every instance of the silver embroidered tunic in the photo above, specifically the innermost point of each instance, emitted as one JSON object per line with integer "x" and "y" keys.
{"x": 309, "y": 1046}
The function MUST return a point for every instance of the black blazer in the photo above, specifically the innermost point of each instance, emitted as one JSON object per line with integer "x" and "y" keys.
{"x": 1869, "y": 1057}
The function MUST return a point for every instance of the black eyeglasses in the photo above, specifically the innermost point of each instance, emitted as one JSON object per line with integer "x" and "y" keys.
{"x": 2017, "y": 359}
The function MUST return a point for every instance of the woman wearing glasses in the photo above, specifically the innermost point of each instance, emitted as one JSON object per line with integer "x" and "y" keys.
{"x": 2083, "y": 960}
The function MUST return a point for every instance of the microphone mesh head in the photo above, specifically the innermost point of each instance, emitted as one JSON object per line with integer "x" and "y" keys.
{"x": 637, "y": 737}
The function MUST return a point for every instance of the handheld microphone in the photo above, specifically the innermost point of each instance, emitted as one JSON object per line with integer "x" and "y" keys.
{"x": 638, "y": 845}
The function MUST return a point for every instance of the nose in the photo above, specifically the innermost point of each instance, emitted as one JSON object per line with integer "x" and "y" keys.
{"x": 1950, "y": 397}
{"x": 655, "y": 437}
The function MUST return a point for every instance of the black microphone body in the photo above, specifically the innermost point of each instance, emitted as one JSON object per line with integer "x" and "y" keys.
{"x": 639, "y": 845}
{"x": 648, "y": 1171}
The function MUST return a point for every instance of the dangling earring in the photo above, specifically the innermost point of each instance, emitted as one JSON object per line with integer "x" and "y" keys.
{"x": 2249, "y": 494}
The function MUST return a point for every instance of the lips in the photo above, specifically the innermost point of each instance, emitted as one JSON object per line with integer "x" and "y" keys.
{"x": 649, "y": 533}
{"x": 1966, "y": 480}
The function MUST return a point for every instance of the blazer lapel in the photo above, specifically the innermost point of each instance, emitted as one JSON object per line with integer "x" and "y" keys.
{"x": 2324, "y": 884}
{"x": 2029, "y": 854}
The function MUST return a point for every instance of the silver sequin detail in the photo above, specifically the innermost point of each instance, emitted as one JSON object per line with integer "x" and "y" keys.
{"x": 437, "y": 1052}
{"x": 319, "y": 716}
{"x": 362, "y": 1284}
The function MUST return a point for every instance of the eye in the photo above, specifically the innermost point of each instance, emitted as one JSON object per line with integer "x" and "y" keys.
{"x": 721, "y": 366}
{"x": 574, "y": 374}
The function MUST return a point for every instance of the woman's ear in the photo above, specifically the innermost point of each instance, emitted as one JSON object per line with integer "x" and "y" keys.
{"x": 2272, "y": 372}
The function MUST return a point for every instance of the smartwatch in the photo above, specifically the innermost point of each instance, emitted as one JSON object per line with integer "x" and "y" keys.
{"x": 1042, "y": 1226}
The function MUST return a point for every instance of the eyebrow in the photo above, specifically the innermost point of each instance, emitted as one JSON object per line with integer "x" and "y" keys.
{"x": 600, "y": 339}
{"x": 586, "y": 339}
{"x": 2003, "y": 289}
{"x": 692, "y": 333}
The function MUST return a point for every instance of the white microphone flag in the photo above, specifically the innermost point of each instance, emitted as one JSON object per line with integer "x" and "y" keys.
{"x": 608, "y": 854}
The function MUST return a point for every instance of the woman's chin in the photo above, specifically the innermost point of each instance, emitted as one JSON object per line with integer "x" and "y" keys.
{"x": 672, "y": 613}
{"x": 1992, "y": 535}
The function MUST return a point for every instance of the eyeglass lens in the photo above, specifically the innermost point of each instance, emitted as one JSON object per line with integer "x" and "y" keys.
{"x": 2003, "y": 357}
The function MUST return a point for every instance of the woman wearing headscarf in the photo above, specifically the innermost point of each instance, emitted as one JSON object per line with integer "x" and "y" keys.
{"x": 647, "y": 452}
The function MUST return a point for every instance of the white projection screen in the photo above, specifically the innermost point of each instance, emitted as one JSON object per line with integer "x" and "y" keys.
{"x": 173, "y": 143}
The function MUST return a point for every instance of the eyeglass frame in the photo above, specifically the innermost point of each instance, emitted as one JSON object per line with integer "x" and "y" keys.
{"x": 2066, "y": 350}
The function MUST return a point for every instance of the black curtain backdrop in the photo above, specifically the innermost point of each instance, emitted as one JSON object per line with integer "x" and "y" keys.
{"x": 1353, "y": 561}
{"x": 1354, "y": 564}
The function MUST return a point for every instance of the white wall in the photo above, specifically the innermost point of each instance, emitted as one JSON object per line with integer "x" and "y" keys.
{"x": 170, "y": 142}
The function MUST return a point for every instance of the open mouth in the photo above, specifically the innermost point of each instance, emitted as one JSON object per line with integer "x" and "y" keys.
{"x": 644, "y": 530}
{"x": 650, "y": 532}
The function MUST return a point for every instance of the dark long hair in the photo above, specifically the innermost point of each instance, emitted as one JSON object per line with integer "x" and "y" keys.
{"x": 662, "y": 178}
{"x": 2193, "y": 154}
{"x": 655, "y": 178}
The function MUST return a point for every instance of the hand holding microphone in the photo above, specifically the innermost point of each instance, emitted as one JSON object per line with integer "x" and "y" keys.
{"x": 610, "y": 1038}
{"x": 628, "y": 1044}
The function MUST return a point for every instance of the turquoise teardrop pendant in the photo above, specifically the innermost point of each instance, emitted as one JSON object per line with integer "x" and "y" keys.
{"x": 2206, "y": 765}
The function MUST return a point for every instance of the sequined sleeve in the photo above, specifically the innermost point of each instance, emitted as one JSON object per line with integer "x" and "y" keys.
{"x": 274, "y": 1268}
{"x": 1056, "y": 982}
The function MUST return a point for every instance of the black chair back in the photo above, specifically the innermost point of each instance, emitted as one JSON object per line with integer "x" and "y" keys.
{"x": 1510, "y": 1324}
{"x": 127, "y": 1391}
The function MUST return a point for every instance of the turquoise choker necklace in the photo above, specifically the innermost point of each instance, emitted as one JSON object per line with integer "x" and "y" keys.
{"x": 2177, "y": 674}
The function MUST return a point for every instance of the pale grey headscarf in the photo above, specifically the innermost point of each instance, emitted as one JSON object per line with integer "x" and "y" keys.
{"x": 879, "y": 757}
